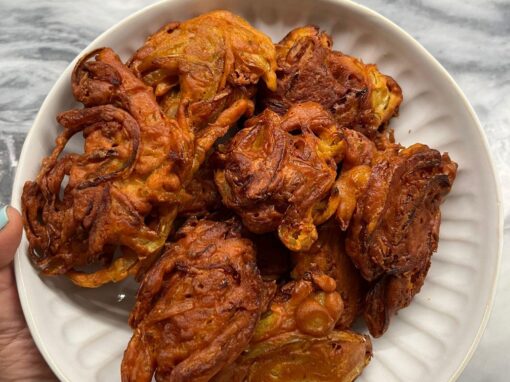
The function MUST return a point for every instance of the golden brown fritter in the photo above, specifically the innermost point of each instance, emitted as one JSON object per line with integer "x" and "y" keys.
{"x": 207, "y": 63}
{"x": 358, "y": 95}
{"x": 396, "y": 222}
{"x": 295, "y": 339}
{"x": 339, "y": 356}
{"x": 328, "y": 255}
{"x": 395, "y": 227}
{"x": 197, "y": 307}
{"x": 121, "y": 191}
{"x": 278, "y": 173}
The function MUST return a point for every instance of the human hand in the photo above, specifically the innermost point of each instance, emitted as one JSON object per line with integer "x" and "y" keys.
{"x": 19, "y": 358}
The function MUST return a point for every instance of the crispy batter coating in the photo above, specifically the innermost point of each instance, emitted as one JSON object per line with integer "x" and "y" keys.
{"x": 359, "y": 150}
{"x": 350, "y": 184}
{"x": 395, "y": 226}
{"x": 201, "y": 195}
{"x": 309, "y": 305}
{"x": 340, "y": 356}
{"x": 360, "y": 155}
{"x": 328, "y": 255}
{"x": 197, "y": 307}
{"x": 358, "y": 95}
{"x": 278, "y": 173}
{"x": 208, "y": 62}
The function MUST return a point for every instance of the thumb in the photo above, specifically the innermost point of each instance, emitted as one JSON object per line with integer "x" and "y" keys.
{"x": 10, "y": 234}
{"x": 20, "y": 359}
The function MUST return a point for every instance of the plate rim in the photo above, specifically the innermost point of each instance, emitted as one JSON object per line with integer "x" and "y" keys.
{"x": 17, "y": 187}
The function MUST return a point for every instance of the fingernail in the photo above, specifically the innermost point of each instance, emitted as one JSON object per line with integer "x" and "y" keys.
{"x": 4, "y": 218}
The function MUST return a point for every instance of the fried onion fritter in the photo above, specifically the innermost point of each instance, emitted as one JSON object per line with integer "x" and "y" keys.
{"x": 295, "y": 339}
{"x": 278, "y": 173}
{"x": 123, "y": 176}
{"x": 358, "y": 95}
{"x": 207, "y": 62}
{"x": 197, "y": 307}
{"x": 395, "y": 227}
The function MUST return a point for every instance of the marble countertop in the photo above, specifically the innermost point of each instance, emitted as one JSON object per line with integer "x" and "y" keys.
{"x": 471, "y": 38}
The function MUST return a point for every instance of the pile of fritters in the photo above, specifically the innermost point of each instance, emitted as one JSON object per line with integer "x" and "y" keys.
{"x": 255, "y": 191}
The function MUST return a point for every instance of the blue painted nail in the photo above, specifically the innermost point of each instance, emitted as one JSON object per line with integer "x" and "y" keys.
{"x": 4, "y": 218}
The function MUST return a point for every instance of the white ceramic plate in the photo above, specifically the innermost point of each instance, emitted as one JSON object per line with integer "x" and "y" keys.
{"x": 82, "y": 333}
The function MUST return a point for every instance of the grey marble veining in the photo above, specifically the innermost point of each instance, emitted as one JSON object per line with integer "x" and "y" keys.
{"x": 38, "y": 39}
{"x": 471, "y": 38}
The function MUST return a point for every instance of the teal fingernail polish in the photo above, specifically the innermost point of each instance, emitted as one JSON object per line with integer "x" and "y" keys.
{"x": 4, "y": 218}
